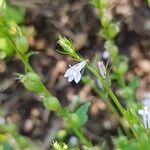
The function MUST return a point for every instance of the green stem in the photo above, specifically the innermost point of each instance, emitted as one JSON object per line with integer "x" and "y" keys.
{"x": 82, "y": 137}
{"x": 47, "y": 93}
{"x": 116, "y": 101}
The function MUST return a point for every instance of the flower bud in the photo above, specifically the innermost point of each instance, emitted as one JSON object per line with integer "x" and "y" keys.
{"x": 57, "y": 146}
{"x": 112, "y": 49}
{"x": 103, "y": 4}
{"x": 105, "y": 19}
{"x": 22, "y": 43}
{"x": 32, "y": 82}
{"x": 52, "y": 103}
{"x": 100, "y": 4}
{"x": 122, "y": 68}
{"x": 67, "y": 46}
{"x": 73, "y": 120}
{"x": 113, "y": 30}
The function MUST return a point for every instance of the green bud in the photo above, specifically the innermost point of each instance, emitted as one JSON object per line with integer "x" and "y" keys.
{"x": 67, "y": 46}
{"x": 122, "y": 68}
{"x": 113, "y": 30}
{"x": 103, "y": 4}
{"x": 100, "y": 4}
{"x": 52, "y": 103}
{"x": 73, "y": 120}
{"x": 103, "y": 34}
{"x": 32, "y": 82}
{"x": 22, "y": 43}
{"x": 105, "y": 20}
{"x": 113, "y": 50}
{"x": 57, "y": 146}
{"x": 61, "y": 134}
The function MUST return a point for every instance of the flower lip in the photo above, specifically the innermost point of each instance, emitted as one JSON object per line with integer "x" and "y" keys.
{"x": 74, "y": 72}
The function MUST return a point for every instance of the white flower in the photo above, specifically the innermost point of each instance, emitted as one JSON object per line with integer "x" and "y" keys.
{"x": 74, "y": 72}
{"x": 145, "y": 112}
{"x": 102, "y": 69}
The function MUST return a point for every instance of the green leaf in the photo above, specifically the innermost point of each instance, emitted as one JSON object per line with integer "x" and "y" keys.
{"x": 134, "y": 83}
{"x": 81, "y": 112}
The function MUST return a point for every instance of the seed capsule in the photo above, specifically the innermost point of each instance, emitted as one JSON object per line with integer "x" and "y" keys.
{"x": 32, "y": 82}
{"x": 52, "y": 103}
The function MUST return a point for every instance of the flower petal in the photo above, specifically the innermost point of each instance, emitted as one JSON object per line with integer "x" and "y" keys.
{"x": 74, "y": 72}
{"x": 70, "y": 78}
{"x": 77, "y": 77}
{"x": 80, "y": 65}
{"x": 68, "y": 72}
